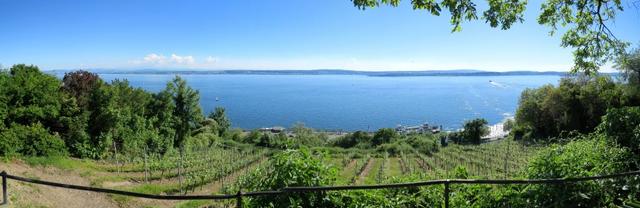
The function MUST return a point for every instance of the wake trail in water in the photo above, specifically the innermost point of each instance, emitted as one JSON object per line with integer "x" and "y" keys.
{"x": 497, "y": 84}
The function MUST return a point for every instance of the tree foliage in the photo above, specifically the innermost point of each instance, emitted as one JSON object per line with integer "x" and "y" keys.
{"x": 93, "y": 118}
{"x": 187, "y": 109}
{"x": 219, "y": 116}
{"x": 305, "y": 136}
{"x": 622, "y": 125}
{"x": 629, "y": 66}
{"x": 577, "y": 104}
{"x": 588, "y": 156}
{"x": 585, "y": 21}
{"x": 31, "y": 96}
{"x": 31, "y": 140}
{"x": 352, "y": 139}
{"x": 384, "y": 135}
{"x": 474, "y": 130}
{"x": 80, "y": 84}
{"x": 31, "y": 107}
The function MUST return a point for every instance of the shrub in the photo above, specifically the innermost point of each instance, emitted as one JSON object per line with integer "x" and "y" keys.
{"x": 396, "y": 148}
{"x": 293, "y": 168}
{"x": 622, "y": 125}
{"x": 589, "y": 156}
{"x": 352, "y": 140}
{"x": 426, "y": 144}
{"x": 384, "y": 135}
{"x": 33, "y": 140}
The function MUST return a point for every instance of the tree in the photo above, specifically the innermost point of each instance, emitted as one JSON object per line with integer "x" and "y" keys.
{"x": 31, "y": 96}
{"x": 221, "y": 119}
{"x": 80, "y": 84}
{"x": 474, "y": 130}
{"x": 384, "y": 135}
{"x": 187, "y": 109}
{"x": 4, "y": 108}
{"x": 305, "y": 136}
{"x": 102, "y": 119}
{"x": 577, "y": 104}
{"x": 160, "y": 112}
{"x": 508, "y": 125}
{"x": 593, "y": 43}
{"x": 629, "y": 66}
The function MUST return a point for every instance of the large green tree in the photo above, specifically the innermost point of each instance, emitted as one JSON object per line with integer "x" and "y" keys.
{"x": 576, "y": 104}
{"x": 584, "y": 22}
{"x": 384, "y": 135}
{"x": 186, "y": 109}
{"x": 31, "y": 96}
{"x": 474, "y": 130}
{"x": 31, "y": 107}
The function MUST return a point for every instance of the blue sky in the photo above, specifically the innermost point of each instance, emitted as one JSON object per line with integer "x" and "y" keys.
{"x": 278, "y": 34}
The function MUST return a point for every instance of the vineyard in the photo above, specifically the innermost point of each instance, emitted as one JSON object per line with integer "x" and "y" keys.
{"x": 502, "y": 159}
{"x": 221, "y": 169}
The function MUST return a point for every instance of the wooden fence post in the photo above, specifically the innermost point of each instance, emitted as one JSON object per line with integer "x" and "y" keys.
{"x": 239, "y": 199}
{"x": 146, "y": 167}
{"x": 446, "y": 194}
{"x": 5, "y": 198}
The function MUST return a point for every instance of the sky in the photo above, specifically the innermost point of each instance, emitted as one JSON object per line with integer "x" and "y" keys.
{"x": 276, "y": 34}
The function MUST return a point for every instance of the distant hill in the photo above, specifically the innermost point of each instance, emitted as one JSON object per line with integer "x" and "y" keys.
{"x": 459, "y": 72}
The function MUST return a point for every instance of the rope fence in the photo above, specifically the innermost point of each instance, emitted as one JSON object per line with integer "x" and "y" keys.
{"x": 288, "y": 190}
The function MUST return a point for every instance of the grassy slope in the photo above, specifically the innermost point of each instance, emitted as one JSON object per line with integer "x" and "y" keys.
{"x": 394, "y": 167}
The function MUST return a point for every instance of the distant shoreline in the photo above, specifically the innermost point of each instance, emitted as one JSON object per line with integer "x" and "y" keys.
{"x": 328, "y": 72}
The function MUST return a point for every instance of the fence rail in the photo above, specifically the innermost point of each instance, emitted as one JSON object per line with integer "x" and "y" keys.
{"x": 287, "y": 190}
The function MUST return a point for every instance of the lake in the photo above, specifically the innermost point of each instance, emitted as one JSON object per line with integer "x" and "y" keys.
{"x": 352, "y": 102}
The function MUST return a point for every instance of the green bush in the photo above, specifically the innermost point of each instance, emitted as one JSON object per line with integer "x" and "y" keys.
{"x": 384, "y": 135}
{"x": 426, "y": 144}
{"x": 589, "y": 156}
{"x": 352, "y": 140}
{"x": 33, "y": 140}
{"x": 622, "y": 125}
{"x": 292, "y": 168}
{"x": 396, "y": 148}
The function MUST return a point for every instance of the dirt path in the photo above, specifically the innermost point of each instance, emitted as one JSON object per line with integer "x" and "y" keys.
{"x": 350, "y": 164}
{"x": 32, "y": 195}
{"x": 423, "y": 164}
{"x": 365, "y": 171}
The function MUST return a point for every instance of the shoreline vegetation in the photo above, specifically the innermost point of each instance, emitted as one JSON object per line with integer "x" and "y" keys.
{"x": 110, "y": 134}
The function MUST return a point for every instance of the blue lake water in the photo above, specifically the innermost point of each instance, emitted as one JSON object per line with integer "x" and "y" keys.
{"x": 352, "y": 102}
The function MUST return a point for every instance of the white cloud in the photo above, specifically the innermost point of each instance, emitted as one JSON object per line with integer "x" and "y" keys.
{"x": 155, "y": 59}
{"x": 182, "y": 59}
{"x": 159, "y": 60}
